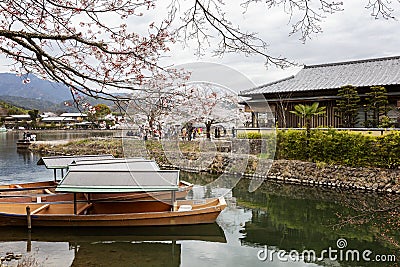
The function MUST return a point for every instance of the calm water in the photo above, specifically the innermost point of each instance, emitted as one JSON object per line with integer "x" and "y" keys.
{"x": 275, "y": 217}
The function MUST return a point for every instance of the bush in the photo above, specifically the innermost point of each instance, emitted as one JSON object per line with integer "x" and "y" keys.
{"x": 336, "y": 147}
{"x": 249, "y": 135}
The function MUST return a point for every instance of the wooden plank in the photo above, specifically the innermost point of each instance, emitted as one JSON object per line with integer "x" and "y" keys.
{"x": 40, "y": 209}
{"x": 81, "y": 210}
{"x": 47, "y": 191}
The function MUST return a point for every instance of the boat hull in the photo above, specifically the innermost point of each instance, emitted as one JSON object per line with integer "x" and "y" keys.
{"x": 23, "y": 144}
{"x": 146, "y": 213}
{"x": 33, "y": 185}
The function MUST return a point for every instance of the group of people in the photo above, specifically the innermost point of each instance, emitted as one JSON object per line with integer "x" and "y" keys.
{"x": 186, "y": 133}
{"x": 29, "y": 136}
{"x": 190, "y": 133}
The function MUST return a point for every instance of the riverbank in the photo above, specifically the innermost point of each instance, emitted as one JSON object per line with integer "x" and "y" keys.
{"x": 287, "y": 171}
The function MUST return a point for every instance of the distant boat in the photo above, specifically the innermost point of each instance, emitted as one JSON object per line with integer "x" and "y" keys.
{"x": 26, "y": 141}
{"x": 23, "y": 144}
{"x": 112, "y": 214}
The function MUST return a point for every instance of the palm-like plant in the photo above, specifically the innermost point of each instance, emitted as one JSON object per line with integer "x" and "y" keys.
{"x": 307, "y": 112}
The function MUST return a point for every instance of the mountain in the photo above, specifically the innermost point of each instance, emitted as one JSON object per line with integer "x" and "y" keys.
{"x": 12, "y": 85}
{"x": 39, "y": 104}
{"x": 40, "y": 94}
{"x": 7, "y": 108}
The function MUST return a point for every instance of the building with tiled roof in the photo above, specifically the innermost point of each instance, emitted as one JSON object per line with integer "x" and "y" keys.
{"x": 320, "y": 83}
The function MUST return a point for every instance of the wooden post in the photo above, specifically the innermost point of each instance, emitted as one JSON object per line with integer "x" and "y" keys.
{"x": 173, "y": 197}
{"x": 29, "y": 242}
{"x": 62, "y": 173}
{"x": 28, "y": 217}
{"x": 173, "y": 200}
{"x": 75, "y": 203}
{"x": 173, "y": 251}
{"x": 55, "y": 175}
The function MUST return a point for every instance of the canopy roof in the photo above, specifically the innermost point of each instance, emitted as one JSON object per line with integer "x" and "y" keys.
{"x": 117, "y": 180}
{"x": 132, "y": 164}
{"x": 62, "y": 162}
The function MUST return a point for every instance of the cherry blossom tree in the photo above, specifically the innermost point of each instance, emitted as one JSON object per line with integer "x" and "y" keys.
{"x": 150, "y": 107}
{"x": 76, "y": 43}
{"x": 186, "y": 105}
{"x": 207, "y": 104}
{"x": 93, "y": 47}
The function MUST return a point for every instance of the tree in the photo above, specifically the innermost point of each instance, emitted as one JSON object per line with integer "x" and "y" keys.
{"x": 208, "y": 104}
{"x": 149, "y": 107}
{"x": 101, "y": 110}
{"x": 97, "y": 113}
{"x": 348, "y": 105}
{"x": 34, "y": 114}
{"x": 307, "y": 112}
{"x": 376, "y": 106}
{"x": 196, "y": 103}
{"x": 76, "y": 42}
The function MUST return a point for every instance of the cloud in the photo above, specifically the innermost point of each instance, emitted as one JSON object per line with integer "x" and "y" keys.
{"x": 348, "y": 35}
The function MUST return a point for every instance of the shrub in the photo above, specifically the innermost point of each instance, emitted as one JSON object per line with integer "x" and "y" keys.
{"x": 336, "y": 147}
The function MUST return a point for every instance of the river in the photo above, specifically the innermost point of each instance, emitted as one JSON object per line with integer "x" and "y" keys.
{"x": 277, "y": 220}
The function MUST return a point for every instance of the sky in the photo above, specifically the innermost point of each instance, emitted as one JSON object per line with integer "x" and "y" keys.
{"x": 351, "y": 34}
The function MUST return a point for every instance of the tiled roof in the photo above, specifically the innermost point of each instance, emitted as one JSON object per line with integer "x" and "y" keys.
{"x": 361, "y": 73}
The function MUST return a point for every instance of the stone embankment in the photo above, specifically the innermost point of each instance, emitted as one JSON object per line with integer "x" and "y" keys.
{"x": 370, "y": 179}
{"x": 287, "y": 171}
{"x": 312, "y": 174}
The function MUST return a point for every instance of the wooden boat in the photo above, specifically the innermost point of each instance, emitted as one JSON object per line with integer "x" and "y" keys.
{"x": 108, "y": 214}
{"x": 117, "y": 180}
{"x": 45, "y": 193}
{"x": 27, "y": 187}
{"x": 90, "y": 165}
{"x": 62, "y": 162}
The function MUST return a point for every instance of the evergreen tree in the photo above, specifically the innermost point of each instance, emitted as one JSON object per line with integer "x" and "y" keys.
{"x": 34, "y": 114}
{"x": 347, "y": 105}
{"x": 376, "y": 106}
{"x": 307, "y": 113}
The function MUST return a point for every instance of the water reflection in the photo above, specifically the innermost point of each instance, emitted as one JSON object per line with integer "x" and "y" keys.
{"x": 278, "y": 216}
{"x": 20, "y": 165}
{"x": 128, "y": 254}
{"x": 140, "y": 246}
{"x": 26, "y": 156}
{"x": 288, "y": 217}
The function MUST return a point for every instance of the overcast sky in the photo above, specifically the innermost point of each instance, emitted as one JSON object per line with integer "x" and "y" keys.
{"x": 351, "y": 34}
{"x": 348, "y": 35}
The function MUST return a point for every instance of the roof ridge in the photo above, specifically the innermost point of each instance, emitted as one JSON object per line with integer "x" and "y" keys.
{"x": 268, "y": 84}
{"x": 350, "y": 62}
